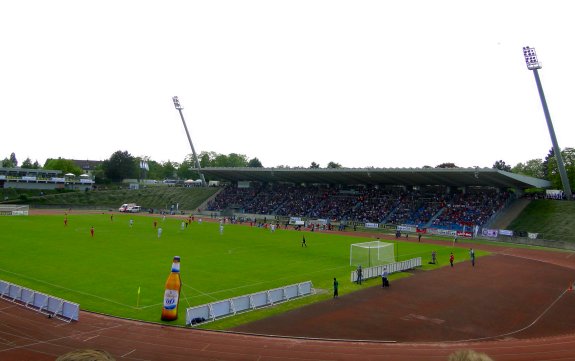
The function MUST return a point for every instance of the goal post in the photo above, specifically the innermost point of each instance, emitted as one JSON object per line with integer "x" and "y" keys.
{"x": 369, "y": 254}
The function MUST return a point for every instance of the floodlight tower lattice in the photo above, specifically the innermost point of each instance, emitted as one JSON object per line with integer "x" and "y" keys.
{"x": 197, "y": 163}
{"x": 533, "y": 64}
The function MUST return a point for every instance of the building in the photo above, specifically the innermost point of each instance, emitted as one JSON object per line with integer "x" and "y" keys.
{"x": 43, "y": 179}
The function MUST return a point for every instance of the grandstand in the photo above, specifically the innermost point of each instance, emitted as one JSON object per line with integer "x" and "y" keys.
{"x": 453, "y": 200}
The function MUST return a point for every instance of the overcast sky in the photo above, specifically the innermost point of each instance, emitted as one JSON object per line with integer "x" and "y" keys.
{"x": 360, "y": 83}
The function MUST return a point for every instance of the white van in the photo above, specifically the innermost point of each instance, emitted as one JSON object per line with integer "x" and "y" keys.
{"x": 128, "y": 207}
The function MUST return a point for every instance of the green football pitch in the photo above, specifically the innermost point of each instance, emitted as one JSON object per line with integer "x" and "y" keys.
{"x": 103, "y": 273}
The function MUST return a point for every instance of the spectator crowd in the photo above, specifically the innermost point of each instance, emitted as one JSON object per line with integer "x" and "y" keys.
{"x": 423, "y": 207}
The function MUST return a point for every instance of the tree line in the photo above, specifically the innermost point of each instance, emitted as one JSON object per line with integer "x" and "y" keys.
{"x": 122, "y": 165}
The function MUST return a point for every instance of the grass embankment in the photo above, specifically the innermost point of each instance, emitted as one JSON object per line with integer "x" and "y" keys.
{"x": 554, "y": 220}
{"x": 149, "y": 197}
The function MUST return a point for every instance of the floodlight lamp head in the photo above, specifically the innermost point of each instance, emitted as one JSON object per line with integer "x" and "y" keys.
{"x": 531, "y": 58}
{"x": 177, "y": 103}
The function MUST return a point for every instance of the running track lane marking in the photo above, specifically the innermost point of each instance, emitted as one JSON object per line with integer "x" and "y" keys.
{"x": 516, "y": 331}
{"x": 5, "y": 341}
{"x": 89, "y": 338}
{"x": 8, "y": 306}
{"x": 126, "y": 354}
{"x": 57, "y": 339}
{"x": 525, "y": 257}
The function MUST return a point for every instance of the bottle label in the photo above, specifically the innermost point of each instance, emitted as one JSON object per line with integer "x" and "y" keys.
{"x": 171, "y": 299}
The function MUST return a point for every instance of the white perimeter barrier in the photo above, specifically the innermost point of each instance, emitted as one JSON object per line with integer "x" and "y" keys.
{"x": 372, "y": 272}
{"x": 46, "y": 304}
{"x": 232, "y": 306}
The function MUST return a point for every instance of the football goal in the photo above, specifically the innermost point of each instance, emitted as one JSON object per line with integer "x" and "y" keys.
{"x": 369, "y": 254}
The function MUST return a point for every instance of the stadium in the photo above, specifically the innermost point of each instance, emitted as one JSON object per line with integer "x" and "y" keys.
{"x": 429, "y": 312}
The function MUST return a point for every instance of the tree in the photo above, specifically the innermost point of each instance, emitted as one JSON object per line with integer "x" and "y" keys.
{"x": 221, "y": 160}
{"x": 13, "y": 160}
{"x": 569, "y": 160}
{"x": 499, "y": 164}
{"x": 155, "y": 170}
{"x": 255, "y": 163}
{"x": 568, "y": 155}
{"x": 187, "y": 169}
{"x": 314, "y": 165}
{"x": 333, "y": 165}
{"x": 27, "y": 163}
{"x": 545, "y": 165}
{"x": 100, "y": 175}
{"x": 237, "y": 160}
{"x": 213, "y": 159}
{"x": 121, "y": 165}
{"x": 169, "y": 170}
{"x": 6, "y": 163}
{"x": 204, "y": 159}
{"x": 447, "y": 165}
{"x": 36, "y": 165}
{"x": 65, "y": 165}
{"x": 531, "y": 168}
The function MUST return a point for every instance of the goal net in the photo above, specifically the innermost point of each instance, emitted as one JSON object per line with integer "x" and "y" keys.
{"x": 369, "y": 254}
{"x": 14, "y": 210}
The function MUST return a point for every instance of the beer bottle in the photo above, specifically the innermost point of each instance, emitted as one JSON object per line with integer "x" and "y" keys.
{"x": 172, "y": 292}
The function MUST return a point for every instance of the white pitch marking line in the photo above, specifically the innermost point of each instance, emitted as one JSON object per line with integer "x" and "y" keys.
{"x": 89, "y": 338}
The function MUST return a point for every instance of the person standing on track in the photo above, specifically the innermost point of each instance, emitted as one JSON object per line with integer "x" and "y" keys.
{"x": 384, "y": 280}
{"x": 451, "y": 259}
{"x": 472, "y": 256}
{"x": 335, "y": 288}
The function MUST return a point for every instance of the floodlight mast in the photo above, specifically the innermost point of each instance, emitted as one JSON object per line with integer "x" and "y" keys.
{"x": 179, "y": 108}
{"x": 533, "y": 64}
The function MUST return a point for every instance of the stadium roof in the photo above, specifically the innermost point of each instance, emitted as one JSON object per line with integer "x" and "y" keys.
{"x": 457, "y": 177}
